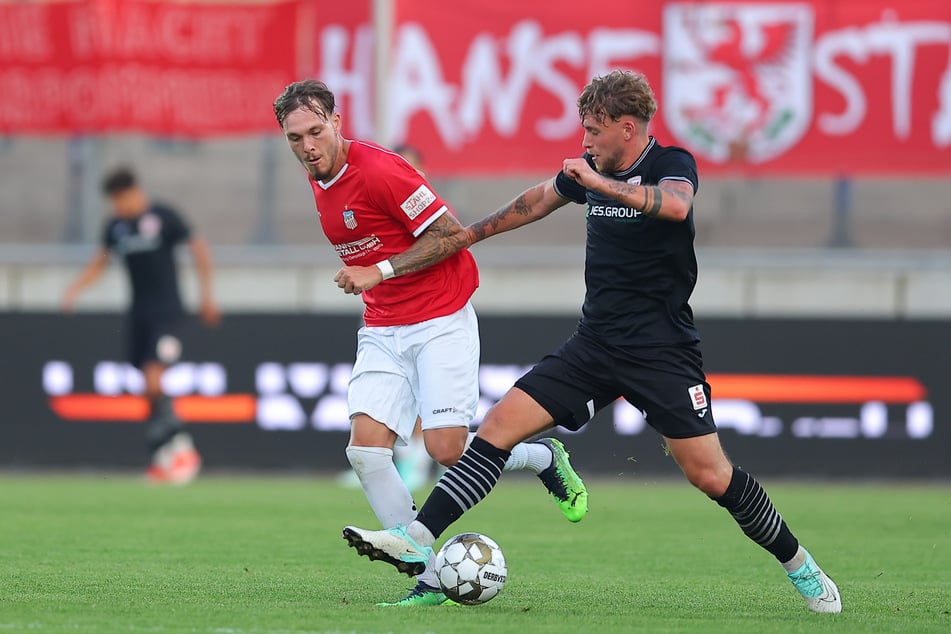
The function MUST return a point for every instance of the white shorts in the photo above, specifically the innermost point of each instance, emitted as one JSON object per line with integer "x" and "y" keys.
{"x": 429, "y": 369}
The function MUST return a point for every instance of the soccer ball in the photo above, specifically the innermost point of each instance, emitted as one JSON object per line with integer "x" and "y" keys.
{"x": 471, "y": 568}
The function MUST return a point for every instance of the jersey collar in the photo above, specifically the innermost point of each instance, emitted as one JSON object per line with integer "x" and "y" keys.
{"x": 640, "y": 159}
{"x": 327, "y": 184}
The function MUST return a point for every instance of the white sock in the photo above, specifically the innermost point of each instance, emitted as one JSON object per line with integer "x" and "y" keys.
{"x": 797, "y": 561}
{"x": 429, "y": 576}
{"x": 533, "y": 456}
{"x": 421, "y": 534}
{"x": 385, "y": 490}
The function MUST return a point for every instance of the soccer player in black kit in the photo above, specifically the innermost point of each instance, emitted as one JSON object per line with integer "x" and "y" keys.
{"x": 145, "y": 234}
{"x": 636, "y": 338}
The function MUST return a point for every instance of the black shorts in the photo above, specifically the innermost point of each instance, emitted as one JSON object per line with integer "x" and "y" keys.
{"x": 154, "y": 337}
{"x": 583, "y": 376}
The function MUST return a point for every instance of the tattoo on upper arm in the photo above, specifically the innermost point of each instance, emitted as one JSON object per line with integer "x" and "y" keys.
{"x": 653, "y": 200}
{"x": 680, "y": 189}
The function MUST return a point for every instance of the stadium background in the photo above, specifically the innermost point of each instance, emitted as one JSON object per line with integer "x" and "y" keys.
{"x": 823, "y": 226}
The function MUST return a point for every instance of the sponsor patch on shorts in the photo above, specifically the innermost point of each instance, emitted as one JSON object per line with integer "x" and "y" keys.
{"x": 418, "y": 201}
{"x": 697, "y": 397}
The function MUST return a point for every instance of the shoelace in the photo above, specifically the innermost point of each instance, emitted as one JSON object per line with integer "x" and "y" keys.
{"x": 555, "y": 483}
{"x": 808, "y": 583}
{"x": 420, "y": 590}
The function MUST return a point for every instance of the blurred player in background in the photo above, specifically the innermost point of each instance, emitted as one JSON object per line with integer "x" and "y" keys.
{"x": 413, "y": 462}
{"x": 418, "y": 353}
{"x": 636, "y": 338}
{"x": 145, "y": 234}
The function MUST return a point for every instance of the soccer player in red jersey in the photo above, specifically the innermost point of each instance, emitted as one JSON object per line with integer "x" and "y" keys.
{"x": 403, "y": 252}
{"x": 636, "y": 338}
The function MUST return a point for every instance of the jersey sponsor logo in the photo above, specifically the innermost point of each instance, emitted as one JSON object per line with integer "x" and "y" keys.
{"x": 418, "y": 201}
{"x": 697, "y": 397}
{"x": 349, "y": 219}
{"x": 127, "y": 242}
{"x": 739, "y": 86}
{"x": 444, "y": 410}
{"x": 622, "y": 214}
{"x": 350, "y": 250}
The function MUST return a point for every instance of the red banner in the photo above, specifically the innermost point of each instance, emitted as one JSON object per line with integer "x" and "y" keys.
{"x": 814, "y": 87}
{"x": 192, "y": 69}
{"x": 765, "y": 87}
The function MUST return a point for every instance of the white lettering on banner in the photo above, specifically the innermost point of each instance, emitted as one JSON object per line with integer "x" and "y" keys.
{"x": 418, "y": 84}
{"x": 284, "y": 393}
{"x": 498, "y": 73}
{"x": 57, "y": 378}
{"x": 169, "y": 31}
{"x": 24, "y": 33}
{"x": 350, "y": 84}
{"x": 280, "y": 412}
{"x": 143, "y": 96}
{"x": 899, "y": 41}
{"x": 941, "y": 122}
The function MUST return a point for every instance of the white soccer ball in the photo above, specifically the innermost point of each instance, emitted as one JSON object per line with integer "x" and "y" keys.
{"x": 471, "y": 568}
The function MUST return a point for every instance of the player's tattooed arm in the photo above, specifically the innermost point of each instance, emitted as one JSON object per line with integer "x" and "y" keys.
{"x": 531, "y": 205}
{"x": 441, "y": 239}
{"x": 671, "y": 200}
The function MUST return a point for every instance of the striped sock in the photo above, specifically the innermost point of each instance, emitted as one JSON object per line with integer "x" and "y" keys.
{"x": 463, "y": 486}
{"x": 752, "y": 509}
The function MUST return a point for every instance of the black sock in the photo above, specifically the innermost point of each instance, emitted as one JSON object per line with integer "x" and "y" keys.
{"x": 752, "y": 509}
{"x": 463, "y": 486}
{"x": 162, "y": 424}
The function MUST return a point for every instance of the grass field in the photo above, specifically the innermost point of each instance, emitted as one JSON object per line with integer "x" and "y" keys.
{"x": 242, "y": 555}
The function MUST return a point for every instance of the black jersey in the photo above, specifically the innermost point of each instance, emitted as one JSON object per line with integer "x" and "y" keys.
{"x": 639, "y": 271}
{"x": 147, "y": 245}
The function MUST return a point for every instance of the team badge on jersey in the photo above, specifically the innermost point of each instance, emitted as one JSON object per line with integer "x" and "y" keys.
{"x": 738, "y": 83}
{"x": 349, "y": 219}
{"x": 150, "y": 226}
{"x": 634, "y": 180}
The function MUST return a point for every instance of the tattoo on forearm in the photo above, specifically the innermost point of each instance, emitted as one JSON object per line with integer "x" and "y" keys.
{"x": 491, "y": 225}
{"x": 443, "y": 238}
{"x": 653, "y": 200}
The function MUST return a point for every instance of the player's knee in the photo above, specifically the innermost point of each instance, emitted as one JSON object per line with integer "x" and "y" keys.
{"x": 709, "y": 480}
{"x": 446, "y": 449}
{"x": 446, "y": 454}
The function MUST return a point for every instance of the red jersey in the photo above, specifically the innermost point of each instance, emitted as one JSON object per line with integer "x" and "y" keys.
{"x": 376, "y": 207}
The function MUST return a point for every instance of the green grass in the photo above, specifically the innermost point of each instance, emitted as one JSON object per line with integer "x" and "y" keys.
{"x": 248, "y": 555}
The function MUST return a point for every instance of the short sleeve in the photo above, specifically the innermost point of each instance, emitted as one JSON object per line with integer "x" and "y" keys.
{"x": 175, "y": 227}
{"x": 676, "y": 164}
{"x": 399, "y": 189}
{"x": 569, "y": 188}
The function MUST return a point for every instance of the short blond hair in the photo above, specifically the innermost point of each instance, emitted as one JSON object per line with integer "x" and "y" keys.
{"x": 619, "y": 93}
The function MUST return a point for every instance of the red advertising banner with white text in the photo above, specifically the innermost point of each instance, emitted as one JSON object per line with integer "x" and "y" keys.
{"x": 827, "y": 87}
{"x": 169, "y": 68}
{"x": 821, "y": 87}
